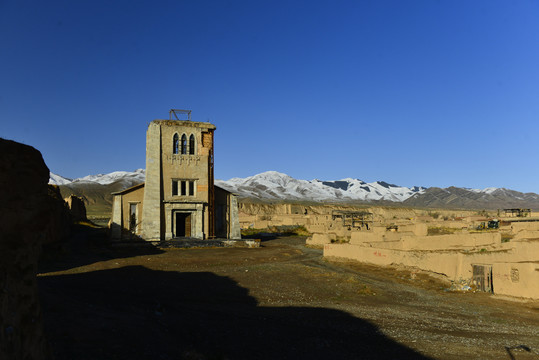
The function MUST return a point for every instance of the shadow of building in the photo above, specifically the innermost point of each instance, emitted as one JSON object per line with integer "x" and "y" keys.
{"x": 137, "y": 313}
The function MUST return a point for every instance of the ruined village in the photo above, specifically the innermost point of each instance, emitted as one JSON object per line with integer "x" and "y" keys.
{"x": 183, "y": 268}
{"x": 229, "y": 180}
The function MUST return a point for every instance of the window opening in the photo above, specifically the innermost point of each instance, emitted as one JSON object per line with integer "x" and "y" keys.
{"x": 191, "y": 188}
{"x": 176, "y": 144}
{"x": 184, "y": 144}
{"x": 174, "y": 187}
{"x": 183, "y": 188}
{"x": 192, "y": 145}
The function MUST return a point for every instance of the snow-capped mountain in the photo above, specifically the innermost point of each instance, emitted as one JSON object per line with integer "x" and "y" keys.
{"x": 103, "y": 179}
{"x": 59, "y": 180}
{"x": 273, "y": 185}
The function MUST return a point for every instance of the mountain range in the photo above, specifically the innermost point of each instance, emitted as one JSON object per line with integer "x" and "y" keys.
{"x": 275, "y": 186}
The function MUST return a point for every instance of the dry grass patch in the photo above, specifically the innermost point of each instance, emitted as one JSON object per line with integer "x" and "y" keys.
{"x": 441, "y": 230}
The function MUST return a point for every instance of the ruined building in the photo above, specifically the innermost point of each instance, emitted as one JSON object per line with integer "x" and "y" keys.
{"x": 179, "y": 198}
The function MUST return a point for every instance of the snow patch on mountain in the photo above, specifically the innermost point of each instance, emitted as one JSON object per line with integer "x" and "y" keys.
{"x": 58, "y": 180}
{"x": 488, "y": 190}
{"x": 274, "y": 185}
{"x": 103, "y": 179}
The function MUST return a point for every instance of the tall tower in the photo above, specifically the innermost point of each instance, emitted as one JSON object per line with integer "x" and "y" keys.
{"x": 179, "y": 188}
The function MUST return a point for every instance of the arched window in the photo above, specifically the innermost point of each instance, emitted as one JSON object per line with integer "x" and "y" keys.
{"x": 176, "y": 144}
{"x": 184, "y": 144}
{"x": 192, "y": 144}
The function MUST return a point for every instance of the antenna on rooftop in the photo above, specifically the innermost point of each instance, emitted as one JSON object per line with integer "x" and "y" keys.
{"x": 178, "y": 113}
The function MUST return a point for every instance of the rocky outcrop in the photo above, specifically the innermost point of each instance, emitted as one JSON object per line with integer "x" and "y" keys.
{"x": 25, "y": 215}
{"x": 76, "y": 207}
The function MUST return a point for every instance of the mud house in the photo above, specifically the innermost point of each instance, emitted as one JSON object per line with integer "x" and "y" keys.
{"x": 479, "y": 258}
{"x": 179, "y": 198}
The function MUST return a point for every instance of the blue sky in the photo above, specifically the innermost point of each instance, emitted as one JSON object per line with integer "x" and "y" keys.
{"x": 430, "y": 93}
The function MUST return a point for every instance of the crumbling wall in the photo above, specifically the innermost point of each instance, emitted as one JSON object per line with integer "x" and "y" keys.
{"x": 457, "y": 264}
{"x": 320, "y": 239}
{"x": 76, "y": 207}
{"x": 60, "y": 219}
{"x": 25, "y": 213}
{"x": 318, "y": 218}
{"x": 454, "y": 241}
{"x": 524, "y": 225}
{"x": 526, "y": 234}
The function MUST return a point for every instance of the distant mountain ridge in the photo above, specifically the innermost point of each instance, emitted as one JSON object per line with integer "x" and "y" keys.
{"x": 103, "y": 179}
{"x": 273, "y": 185}
{"x": 96, "y": 190}
{"x": 276, "y": 186}
{"x": 489, "y": 198}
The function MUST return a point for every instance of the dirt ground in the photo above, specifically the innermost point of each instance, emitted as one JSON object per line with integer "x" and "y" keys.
{"x": 280, "y": 301}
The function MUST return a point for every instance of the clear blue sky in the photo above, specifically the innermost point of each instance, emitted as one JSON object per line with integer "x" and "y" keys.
{"x": 432, "y": 93}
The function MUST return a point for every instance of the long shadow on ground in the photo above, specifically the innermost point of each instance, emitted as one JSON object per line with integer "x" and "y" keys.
{"x": 88, "y": 245}
{"x": 137, "y": 313}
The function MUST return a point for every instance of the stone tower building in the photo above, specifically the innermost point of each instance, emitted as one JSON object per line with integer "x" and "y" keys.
{"x": 179, "y": 198}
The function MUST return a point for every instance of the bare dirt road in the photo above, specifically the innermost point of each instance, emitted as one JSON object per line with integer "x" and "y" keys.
{"x": 281, "y": 301}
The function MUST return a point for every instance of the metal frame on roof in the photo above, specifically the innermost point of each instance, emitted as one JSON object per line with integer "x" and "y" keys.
{"x": 175, "y": 112}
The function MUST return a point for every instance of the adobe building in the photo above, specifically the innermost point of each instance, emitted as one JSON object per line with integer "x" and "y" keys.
{"x": 179, "y": 198}
{"x": 479, "y": 258}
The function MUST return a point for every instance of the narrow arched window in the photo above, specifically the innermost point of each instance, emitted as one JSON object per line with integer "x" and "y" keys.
{"x": 192, "y": 144}
{"x": 184, "y": 144}
{"x": 176, "y": 144}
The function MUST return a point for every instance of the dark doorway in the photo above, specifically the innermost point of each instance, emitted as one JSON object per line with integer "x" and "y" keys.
{"x": 183, "y": 224}
{"x": 482, "y": 277}
{"x": 132, "y": 217}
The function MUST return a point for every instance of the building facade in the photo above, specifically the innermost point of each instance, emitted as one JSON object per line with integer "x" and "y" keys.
{"x": 179, "y": 198}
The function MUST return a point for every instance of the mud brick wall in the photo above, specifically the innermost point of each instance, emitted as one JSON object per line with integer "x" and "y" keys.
{"x": 24, "y": 218}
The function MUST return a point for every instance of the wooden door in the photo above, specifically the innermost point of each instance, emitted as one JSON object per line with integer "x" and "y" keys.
{"x": 482, "y": 277}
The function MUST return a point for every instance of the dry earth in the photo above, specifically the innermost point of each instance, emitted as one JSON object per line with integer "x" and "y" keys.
{"x": 281, "y": 301}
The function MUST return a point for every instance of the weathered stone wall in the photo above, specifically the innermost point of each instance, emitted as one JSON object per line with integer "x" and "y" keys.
{"x": 163, "y": 168}
{"x": 185, "y": 167}
{"x": 190, "y": 167}
{"x": 153, "y": 207}
{"x": 235, "y": 230}
{"x": 26, "y": 210}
